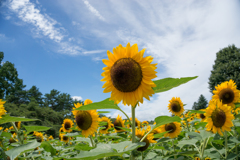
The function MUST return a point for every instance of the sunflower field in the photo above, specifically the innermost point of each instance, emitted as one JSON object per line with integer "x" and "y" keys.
{"x": 212, "y": 133}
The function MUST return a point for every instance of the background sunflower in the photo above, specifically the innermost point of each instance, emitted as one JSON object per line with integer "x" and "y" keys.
{"x": 176, "y": 106}
{"x": 173, "y": 128}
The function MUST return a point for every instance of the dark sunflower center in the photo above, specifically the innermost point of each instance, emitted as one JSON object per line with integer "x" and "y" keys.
{"x": 67, "y": 125}
{"x": 83, "y": 120}
{"x": 218, "y": 118}
{"x": 176, "y": 106}
{"x": 226, "y": 95}
{"x": 143, "y": 148}
{"x": 202, "y": 116}
{"x": 126, "y": 75}
{"x": 170, "y": 127}
{"x": 117, "y": 124}
{"x": 65, "y": 138}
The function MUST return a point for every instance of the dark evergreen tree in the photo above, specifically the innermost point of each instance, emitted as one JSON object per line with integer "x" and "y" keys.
{"x": 201, "y": 104}
{"x": 51, "y": 100}
{"x": 226, "y": 67}
{"x": 33, "y": 94}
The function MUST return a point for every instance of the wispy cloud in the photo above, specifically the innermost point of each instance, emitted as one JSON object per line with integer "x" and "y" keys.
{"x": 3, "y": 38}
{"x": 27, "y": 12}
{"x": 93, "y": 10}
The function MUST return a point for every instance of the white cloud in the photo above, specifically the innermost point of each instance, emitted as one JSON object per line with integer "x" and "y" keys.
{"x": 78, "y": 98}
{"x": 27, "y": 12}
{"x": 93, "y": 10}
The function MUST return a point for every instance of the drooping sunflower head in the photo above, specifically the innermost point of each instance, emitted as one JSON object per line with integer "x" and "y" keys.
{"x": 218, "y": 117}
{"x": 173, "y": 128}
{"x": 149, "y": 139}
{"x": 128, "y": 75}
{"x": 119, "y": 123}
{"x": 88, "y": 101}
{"x": 87, "y": 121}
{"x": 107, "y": 126}
{"x": 201, "y": 116}
{"x": 67, "y": 124}
{"x": 18, "y": 124}
{"x": 76, "y": 106}
{"x": 176, "y": 106}
{"x": 227, "y": 92}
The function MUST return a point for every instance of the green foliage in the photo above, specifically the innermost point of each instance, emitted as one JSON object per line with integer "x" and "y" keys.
{"x": 200, "y": 104}
{"x": 226, "y": 67}
{"x": 13, "y": 153}
{"x": 166, "y": 84}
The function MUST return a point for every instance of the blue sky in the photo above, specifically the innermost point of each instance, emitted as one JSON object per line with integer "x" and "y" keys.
{"x": 60, "y": 44}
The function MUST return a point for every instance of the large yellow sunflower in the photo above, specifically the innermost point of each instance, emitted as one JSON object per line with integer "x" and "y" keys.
{"x": 173, "y": 128}
{"x": 2, "y": 109}
{"x": 119, "y": 123}
{"x": 176, "y": 106}
{"x": 149, "y": 139}
{"x": 87, "y": 121}
{"x": 128, "y": 75}
{"x": 219, "y": 117}
{"x": 107, "y": 126}
{"x": 201, "y": 116}
{"x": 67, "y": 124}
{"x": 227, "y": 92}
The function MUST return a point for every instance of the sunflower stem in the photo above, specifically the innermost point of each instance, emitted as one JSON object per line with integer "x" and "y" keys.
{"x": 133, "y": 128}
{"x": 226, "y": 145}
{"x": 91, "y": 140}
{"x": 175, "y": 157}
{"x": 142, "y": 156}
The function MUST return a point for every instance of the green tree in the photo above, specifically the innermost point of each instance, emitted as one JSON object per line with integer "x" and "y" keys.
{"x": 11, "y": 87}
{"x": 51, "y": 100}
{"x": 226, "y": 67}
{"x": 201, "y": 103}
{"x": 34, "y": 94}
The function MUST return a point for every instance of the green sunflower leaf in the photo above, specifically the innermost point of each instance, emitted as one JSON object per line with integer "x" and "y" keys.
{"x": 159, "y": 135}
{"x": 48, "y": 147}
{"x": 105, "y": 104}
{"x": 195, "y": 111}
{"x": 15, "y": 152}
{"x": 166, "y": 84}
{"x": 161, "y": 120}
{"x": 36, "y": 128}
{"x": 7, "y": 118}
